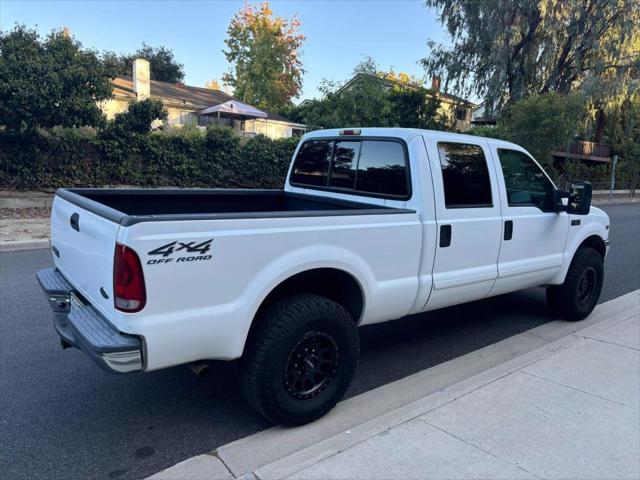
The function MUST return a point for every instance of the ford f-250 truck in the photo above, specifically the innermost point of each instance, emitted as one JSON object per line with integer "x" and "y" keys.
{"x": 372, "y": 225}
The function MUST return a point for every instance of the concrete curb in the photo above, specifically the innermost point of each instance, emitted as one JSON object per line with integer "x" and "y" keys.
{"x": 16, "y": 245}
{"x": 26, "y": 202}
{"x": 279, "y": 452}
{"x": 600, "y": 203}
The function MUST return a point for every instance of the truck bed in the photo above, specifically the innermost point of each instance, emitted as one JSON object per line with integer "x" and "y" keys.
{"x": 130, "y": 206}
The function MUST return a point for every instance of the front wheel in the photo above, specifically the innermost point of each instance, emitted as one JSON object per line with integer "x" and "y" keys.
{"x": 300, "y": 360}
{"x": 576, "y": 298}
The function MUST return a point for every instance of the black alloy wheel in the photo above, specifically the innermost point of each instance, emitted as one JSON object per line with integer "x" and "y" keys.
{"x": 311, "y": 365}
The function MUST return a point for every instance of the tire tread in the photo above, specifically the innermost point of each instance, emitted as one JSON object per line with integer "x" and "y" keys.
{"x": 561, "y": 298}
{"x": 275, "y": 324}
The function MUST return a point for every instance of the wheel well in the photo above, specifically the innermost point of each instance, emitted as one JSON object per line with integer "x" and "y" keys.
{"x": 595, "y": 242}
{"x": 331, "y": 283}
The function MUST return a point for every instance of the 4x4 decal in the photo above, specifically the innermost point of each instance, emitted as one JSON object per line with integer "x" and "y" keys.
{"x": 168, "y": 250}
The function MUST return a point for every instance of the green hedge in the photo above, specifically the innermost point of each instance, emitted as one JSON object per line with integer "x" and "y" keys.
{"x": 80, "y": 157}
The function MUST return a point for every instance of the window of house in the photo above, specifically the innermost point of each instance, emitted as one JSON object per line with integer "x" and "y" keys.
{"x": 525, "y": 181}
{"x": 461, "y": 114}
{"x": 465, "y": 175}
{"x": 369, "y": 167}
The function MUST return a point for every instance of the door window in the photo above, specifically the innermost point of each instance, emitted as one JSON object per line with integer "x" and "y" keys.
{"x": 525, "y": 181}
{"x": 465, "y": 176}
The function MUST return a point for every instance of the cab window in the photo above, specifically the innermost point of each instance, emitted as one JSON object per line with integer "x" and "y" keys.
{"x": 525, "y": 182}
{"x": 312, "y": 163}
{"x": 465, "y": 175}
{"x": 356, "y": 166}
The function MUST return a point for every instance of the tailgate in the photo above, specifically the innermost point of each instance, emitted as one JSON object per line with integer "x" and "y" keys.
{"x": 83, "y": 245}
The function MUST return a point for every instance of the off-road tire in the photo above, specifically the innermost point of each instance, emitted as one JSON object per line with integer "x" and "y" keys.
{"x": 280, "y": 330}
{"x": 564, "y": 301}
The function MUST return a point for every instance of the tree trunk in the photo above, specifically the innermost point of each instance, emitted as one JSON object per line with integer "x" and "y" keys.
{"x": 601, "y": 121}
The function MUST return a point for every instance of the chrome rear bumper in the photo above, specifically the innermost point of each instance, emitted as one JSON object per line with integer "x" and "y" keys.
{"x": 84, "y": 328}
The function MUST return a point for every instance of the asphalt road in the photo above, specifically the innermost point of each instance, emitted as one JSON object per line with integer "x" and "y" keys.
{"x": 62, "y": 417}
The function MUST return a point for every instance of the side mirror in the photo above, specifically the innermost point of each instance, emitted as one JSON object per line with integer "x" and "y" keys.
{"x": 558, "y": 204}
{"x": 579, "y": 198}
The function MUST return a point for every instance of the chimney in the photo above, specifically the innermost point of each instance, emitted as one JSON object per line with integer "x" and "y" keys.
{"x": 141, "y": 79}
{"x": 435, "y": 83}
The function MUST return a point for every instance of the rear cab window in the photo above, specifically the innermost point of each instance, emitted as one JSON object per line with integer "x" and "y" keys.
{"x": 312, "y": 163}
{"x": 369, "y": 167}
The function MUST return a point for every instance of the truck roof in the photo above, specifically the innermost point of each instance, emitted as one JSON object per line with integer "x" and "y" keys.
{"x": 407, "y": 134}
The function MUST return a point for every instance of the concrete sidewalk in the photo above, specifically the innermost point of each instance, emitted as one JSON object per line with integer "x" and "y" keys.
{"x": 572, "y": 414}
{"x": 558, "y": 401}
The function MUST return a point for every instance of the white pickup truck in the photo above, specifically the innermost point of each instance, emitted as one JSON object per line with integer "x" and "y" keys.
{"x": 372, "y": 225}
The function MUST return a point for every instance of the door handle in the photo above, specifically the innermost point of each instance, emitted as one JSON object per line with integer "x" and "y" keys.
{"x": 508, "y": 229}
{"x": 445, "y": 235}
{"x": 75, "y": 222}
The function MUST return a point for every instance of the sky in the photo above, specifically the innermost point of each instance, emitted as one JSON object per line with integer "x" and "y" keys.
{"x": 339, "y": 33}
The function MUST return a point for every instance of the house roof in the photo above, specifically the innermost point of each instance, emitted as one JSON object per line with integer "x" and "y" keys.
{"x": 196, "y": 98}
{"x": 480, "y": 115}
{"x": 443, "y": 95}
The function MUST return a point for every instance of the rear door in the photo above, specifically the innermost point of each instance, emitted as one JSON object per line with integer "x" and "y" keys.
{"x": 83, "y": 245}
{"x": 535, "y": 234}
{"x": 469, "y": 222}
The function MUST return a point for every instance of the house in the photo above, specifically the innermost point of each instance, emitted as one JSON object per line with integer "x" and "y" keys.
{"x": 481, "y": 117}
{"x": 187, "y": 105}
{"x": 457, "y": 109}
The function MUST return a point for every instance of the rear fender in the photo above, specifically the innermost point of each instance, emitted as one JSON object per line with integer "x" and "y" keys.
{"x": 300, "y": 261}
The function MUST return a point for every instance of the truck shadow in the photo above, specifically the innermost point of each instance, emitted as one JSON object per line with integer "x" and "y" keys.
{"x": 393, "y": 350}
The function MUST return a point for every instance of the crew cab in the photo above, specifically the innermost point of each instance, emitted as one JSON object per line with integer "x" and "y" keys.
{"x": 372, "y": 224}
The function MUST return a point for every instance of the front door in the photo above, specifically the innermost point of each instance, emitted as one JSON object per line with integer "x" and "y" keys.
{"x": 469, "y": 222}
{"x": 534, "y": 233}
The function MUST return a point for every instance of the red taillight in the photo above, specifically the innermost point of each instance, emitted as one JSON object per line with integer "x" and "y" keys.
{"x": 128, "y": 281}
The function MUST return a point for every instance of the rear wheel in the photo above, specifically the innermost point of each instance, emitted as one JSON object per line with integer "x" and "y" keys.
{"x": 300, "y": 360}
{"x": 576, "y": 298}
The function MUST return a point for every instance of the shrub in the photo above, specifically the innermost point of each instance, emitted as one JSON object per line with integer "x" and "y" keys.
{"x": 138, "y": 118}
{"x": 79, "y": 157}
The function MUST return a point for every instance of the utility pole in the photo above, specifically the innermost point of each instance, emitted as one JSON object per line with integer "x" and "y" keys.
{"x": 613, "y": 176}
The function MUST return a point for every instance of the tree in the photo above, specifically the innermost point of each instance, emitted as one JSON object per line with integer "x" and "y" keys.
{"x": 416, "y": 108}
{"x": 540, "y": 123}
{"x": 373, "y": 98}
{"x": 623, "y": 134}
{"x": 162, "y": 63}
{"x": 49, "y": 82}
{"x": 364, "y": 102}
{"x": 213, "y": 84}
{"x": 139, "y": 117}
{"x": 506, "y": 50}
{"x": 264, "y": 53}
